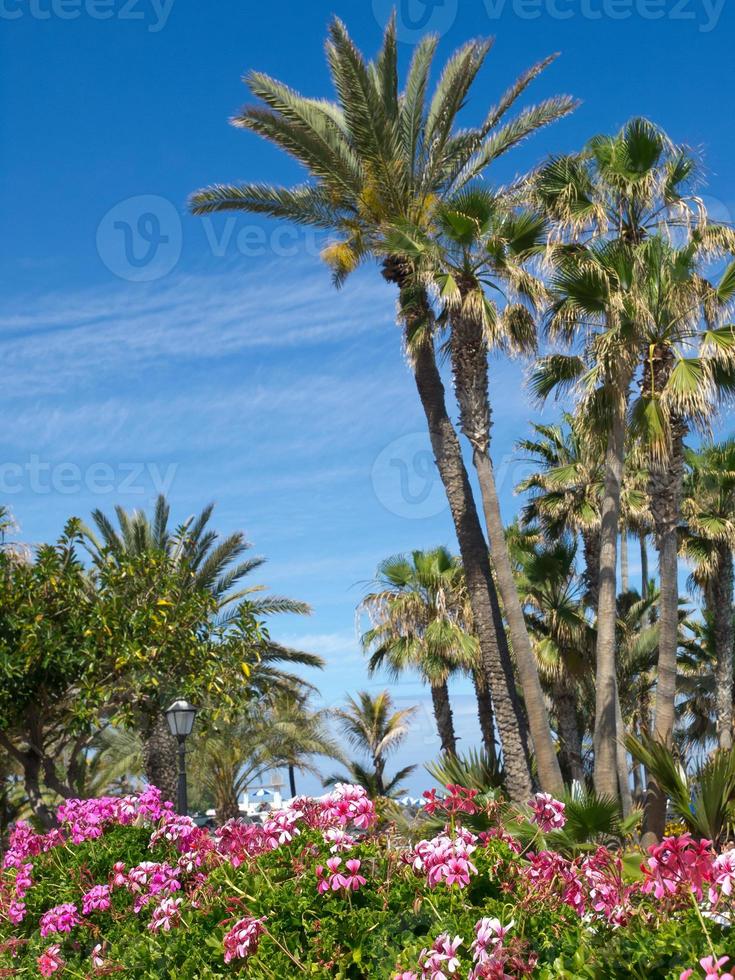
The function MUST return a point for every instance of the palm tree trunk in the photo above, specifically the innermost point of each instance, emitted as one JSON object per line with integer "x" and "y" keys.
{"x": 626, "y": 797}
{"x": 494, "y": 653}
{"x": 292, "y": 780}
{"x": 228, "y": 809}
{"x": 644, "y": 566}
{"x": 591, "y": 547}
{"x": 485, "y": 713}
{"x": 468, "y": 348}
{"x": 571, "y": 743}
{"x": 723, "y": 630}
{"x": 443, "y": 717}
{"x": 665, "y": 485}
{"x": 480, "y": 586}
{"x": 624, "y": 576}
{"x": 605, "y": 736}
{"x": 160, "y": 757}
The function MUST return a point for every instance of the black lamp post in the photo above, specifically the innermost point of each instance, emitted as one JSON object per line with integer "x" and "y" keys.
{"x": 180, "y": 717}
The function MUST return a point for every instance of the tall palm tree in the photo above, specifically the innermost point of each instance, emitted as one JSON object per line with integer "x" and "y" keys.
{"x": 709, "y": 508}
{"x": 552, "y": 597}
{"x": 480, "y": 243}
{"x": 206, "y": 561}
{"x": 377, "y": 156}
{"x": 373, "y": 728}
{"x": 419, "y": 620}
{"x": 686, "y": 352}
{"x": 604, "y": 203}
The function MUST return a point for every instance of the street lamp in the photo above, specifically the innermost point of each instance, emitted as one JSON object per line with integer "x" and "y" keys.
{"x": 180, "y": 717}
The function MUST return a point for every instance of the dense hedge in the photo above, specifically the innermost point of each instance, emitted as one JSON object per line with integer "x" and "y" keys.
{"x": 125, "y": 887}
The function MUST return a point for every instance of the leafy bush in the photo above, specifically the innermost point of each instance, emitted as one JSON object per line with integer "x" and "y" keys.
{"x": 125, "y": 886}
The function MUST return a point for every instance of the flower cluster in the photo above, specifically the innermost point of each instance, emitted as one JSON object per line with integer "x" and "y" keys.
{"x": 336, "y": 880}
{"x": 712, "y": 969}
{"x": 458, "y": 799}
{"x": 547, "y": 812}
{"x": 445, "y": 859}
{"x": 678, "y": 866}
{"x": 61, "y": 918}
{"x": 243, "y": 938}
{"x": 50, "y": 961}
{"x": 166, "y": 915}
{"x": 491, "y": 956}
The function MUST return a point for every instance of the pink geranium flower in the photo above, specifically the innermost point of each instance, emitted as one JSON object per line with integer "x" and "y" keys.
{"x": 243, "y": 939}
{"x": 50, "y": 960}
{"x": 97, "y": 899}
{"x": 61, "y": 918}
{"x": 548, "y": 813}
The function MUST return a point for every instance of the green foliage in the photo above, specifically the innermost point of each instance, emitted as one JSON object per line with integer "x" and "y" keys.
{"x": 475, "y": 769}
{"x": 705, "y": 802}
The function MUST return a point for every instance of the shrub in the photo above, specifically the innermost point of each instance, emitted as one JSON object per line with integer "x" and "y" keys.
{"x": 125, "y": 886}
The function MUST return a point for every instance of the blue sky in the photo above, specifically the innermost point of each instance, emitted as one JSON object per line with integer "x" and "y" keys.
{"x": 144, "y": 349}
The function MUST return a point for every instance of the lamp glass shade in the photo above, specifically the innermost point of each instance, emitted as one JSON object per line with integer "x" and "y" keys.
{"x": 180, "y": 717}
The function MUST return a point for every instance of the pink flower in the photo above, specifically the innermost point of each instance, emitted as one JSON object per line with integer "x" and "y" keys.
{"x": 119, "y": 878}
{"x": 17, "y": 912}
{"x": 441, "y": 959}
{"x": 23, "y": 880}
{"x": 242, "y": 940}
{"x": 712, "y": 968}
{"x": 489, "y": 934}
{"x": 678, "y": 864}
{"x": 97, "y": 899}
{"x": 50, "y": 960}
{"x": 548, "y": 813}
{"x": 166, "y": 915}
{"x": 723, "y": 872}
{"x": 353, "y": 880}
{"x": 61, "y": 918}
{"x": 97, "y": 956}
{"x": 445, "y": 859}
{"x": 459, "y": 800}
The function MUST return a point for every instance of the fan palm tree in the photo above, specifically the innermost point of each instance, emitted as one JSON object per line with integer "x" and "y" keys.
{"x": 373, "y": 728}
{"x": 709, "y": 508}
{"x": 687, "y": 351}
{"x": 604, "y": 203}
{"x": 421, "y": 620}
{"x": 376, "y": 157}
{"x": 480, "y": 243}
